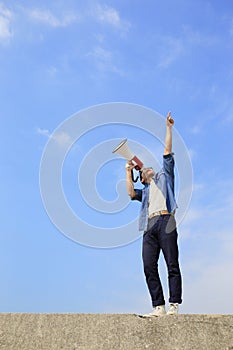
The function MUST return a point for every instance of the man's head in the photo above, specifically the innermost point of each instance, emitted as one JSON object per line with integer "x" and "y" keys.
{"x": 146, "y": 175}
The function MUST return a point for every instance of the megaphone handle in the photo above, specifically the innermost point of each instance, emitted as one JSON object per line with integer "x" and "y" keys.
{"x": 132, "y": 176}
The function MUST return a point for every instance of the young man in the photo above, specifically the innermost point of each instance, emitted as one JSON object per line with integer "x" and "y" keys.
{"x": 158, "y": 223}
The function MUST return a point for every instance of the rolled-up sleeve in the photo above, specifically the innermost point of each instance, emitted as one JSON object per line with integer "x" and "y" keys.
{"x": 168, "y": 164}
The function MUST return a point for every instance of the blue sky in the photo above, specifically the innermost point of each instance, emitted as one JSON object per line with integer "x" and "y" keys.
{"x": 60, "y": 57}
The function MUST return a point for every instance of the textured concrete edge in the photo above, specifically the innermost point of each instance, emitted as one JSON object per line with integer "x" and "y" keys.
{"x": 86, "y": 331}
{"x": 106, "y": 314}
{"x": 113, "y": 315}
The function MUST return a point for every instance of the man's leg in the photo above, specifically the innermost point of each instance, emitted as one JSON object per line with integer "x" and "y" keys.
{"x": 168, "y": 242}
{"x": 150, "y": 255}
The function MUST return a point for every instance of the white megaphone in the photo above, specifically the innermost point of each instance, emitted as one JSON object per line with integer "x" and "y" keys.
{"x": 125, "y": 152}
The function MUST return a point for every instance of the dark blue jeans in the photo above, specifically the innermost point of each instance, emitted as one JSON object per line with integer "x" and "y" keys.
{"x": 161, "y": 234}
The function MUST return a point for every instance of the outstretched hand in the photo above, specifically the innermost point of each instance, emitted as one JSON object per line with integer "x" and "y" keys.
{"x": 170, "y": 122}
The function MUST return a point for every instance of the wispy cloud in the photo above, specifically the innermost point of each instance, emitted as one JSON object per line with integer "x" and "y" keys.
{"x": 44, "y": 132}
{"x": 197, "y": 38}
{"x": 109, "y": 15}
{"x": 192, "y": 153}
{"x": 5, "y": 22}
{"x": 208, "y": 215}
{"x": 52, "y": 71}
{"x": 101, "y": 13}
{"x": 50, "y": 19}
{"x": 222, "y": 106}
{"x": 171, "y": 49}
{"x": 101, "y": 54}
{"x": 174, "y": 47}
{"x": 63, "y": 139}
{"x": 104, "y": 60}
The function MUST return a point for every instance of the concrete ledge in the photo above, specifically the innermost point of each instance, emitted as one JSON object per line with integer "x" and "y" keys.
{"x": 114, "y": 332}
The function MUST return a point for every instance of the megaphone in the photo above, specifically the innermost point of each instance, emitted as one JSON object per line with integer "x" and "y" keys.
{"x": 124, "y": 151}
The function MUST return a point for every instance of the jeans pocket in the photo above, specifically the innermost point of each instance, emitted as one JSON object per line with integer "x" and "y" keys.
{"x": 170, "y": 225}
{"x": 152, "y": 222}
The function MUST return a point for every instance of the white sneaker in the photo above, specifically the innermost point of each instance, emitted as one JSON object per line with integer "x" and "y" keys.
{"x": 173, "y": 309}
{"x": 158, "y": 311}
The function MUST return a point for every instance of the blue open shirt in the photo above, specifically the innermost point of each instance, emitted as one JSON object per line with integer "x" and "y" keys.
{"x": 164, "y": 179}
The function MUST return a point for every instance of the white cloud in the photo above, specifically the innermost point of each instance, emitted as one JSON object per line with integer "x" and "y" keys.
{"x": 63, "y": 139}
{"x": 5, "y": 22}
{"x": 109, "y": 15}
{"x": 101, "y": 13}
{"x": 221, "y": 106}
{"x": 47, "y": 17}
{"x": 104, "y": 61}
{"x": 194, "y": 37}
{"x": 192, "y": 153}
{"x": 101, "y": 54}
{"x": 52, "y": 71}
{"x": 43, "y": 132}
{"x": 171, "y": 49}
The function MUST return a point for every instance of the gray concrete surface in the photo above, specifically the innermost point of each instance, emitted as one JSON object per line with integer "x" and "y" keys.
{"x": 114, "y": 332}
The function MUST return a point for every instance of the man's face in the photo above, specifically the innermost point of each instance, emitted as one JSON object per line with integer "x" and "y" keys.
{"x": 147, "y": 174}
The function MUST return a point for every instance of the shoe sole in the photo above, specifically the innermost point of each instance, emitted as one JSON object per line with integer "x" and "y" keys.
{"x": 151, "y": 316}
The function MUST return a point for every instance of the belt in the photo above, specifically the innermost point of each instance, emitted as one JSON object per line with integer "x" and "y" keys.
{"x": 161, "y": 212}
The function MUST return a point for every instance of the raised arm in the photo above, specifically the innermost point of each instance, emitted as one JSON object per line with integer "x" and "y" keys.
{"x": 129, "y": 182}
{"x": 168, "y": 137}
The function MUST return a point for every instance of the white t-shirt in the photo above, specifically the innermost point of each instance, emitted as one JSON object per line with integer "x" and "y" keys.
{"x": 157, "y": 201}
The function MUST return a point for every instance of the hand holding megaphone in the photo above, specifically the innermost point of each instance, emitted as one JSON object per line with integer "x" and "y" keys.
{"x": 129, "y": 165}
